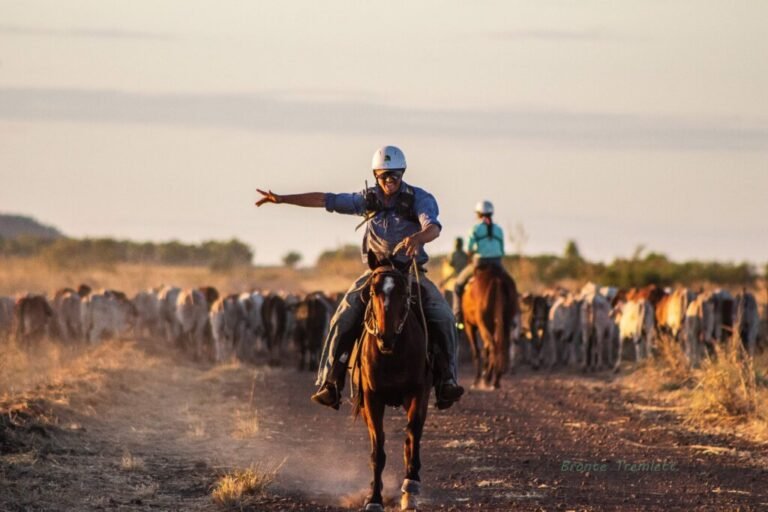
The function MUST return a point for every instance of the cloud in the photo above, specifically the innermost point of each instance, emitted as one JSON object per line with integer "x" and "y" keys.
{"x": 280, "y": 113}
{"x": 83, "y": 32}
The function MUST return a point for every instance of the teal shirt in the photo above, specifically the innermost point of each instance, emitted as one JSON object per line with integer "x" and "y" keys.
{"x": 485, "y": 246}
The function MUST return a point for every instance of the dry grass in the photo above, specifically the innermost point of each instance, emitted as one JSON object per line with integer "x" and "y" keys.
{"x": 726, "y": 385}
{"x": 197, "y": 430}
{"x": 51, "y": 366}
{"x": 146, "y": 491}
{"x": 246, "y": 424}
{"x": 728, "y": 394}
{"x": 238, "y": 487}
{"x": 21, "y": 275}
{"x": 671, "y": 362}
{"x": 131, "y": 463}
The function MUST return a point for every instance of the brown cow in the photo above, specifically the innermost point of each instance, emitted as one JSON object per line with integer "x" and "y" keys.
{"x": 313, "y": 318}
{"x": 33, "y": 317}
{"x": 534, "y": 335}
{"x": 670, "y": 311}
{"x": 274, "y": 317}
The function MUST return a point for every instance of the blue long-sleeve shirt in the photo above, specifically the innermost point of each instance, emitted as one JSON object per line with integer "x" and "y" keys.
{"x": 388, "y": 227}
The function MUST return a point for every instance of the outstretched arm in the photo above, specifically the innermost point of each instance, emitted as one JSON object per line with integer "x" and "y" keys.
{"x": 310, "y": 199}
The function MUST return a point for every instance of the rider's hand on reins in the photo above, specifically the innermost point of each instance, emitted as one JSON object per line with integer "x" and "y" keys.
{"x": 411, "y": 245}
{"x": 269, "y": 197}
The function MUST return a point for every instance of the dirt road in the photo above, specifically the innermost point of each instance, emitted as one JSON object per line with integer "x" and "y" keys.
{"x": 142, "y": 429}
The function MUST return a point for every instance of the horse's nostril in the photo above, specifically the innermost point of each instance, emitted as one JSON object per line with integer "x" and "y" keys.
{"x": 386, "y": 345}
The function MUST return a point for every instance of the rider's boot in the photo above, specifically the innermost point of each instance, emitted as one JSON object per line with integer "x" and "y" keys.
{"x": 329, "y": 393}
{"x": 447, "y": 390}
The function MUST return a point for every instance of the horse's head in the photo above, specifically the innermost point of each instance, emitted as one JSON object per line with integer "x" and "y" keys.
{"x": 390, "y": 302}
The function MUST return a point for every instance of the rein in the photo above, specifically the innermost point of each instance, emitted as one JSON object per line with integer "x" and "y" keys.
{"x": 370, "y": 323}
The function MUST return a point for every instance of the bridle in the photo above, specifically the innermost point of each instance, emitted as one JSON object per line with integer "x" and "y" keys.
{"x": 370, "y": 321}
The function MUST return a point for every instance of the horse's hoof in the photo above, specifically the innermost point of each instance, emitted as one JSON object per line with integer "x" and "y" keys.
{"x": 408, "y": 501}
{"x": 410, "y": 486}
{"x": 373, "y": 507}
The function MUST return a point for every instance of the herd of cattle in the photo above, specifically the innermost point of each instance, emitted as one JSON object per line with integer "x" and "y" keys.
{"x": 591, "y": 327}
{"x": 558, "y": 328}
{"x": 198, "y": 320}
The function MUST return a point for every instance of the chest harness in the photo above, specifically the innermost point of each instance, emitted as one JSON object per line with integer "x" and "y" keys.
{"x": 404, "y": 204}
{"x": 490, "y": 234}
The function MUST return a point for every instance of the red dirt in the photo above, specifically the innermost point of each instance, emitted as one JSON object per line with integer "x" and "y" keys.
{"x": 505, "y": 450}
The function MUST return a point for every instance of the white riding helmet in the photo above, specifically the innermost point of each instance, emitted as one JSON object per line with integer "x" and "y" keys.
{"x": 388, "y": 158}
{"x": 484, "y": 208}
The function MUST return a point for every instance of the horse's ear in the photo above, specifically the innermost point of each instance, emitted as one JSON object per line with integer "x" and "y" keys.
{"x": 373, "y": 261}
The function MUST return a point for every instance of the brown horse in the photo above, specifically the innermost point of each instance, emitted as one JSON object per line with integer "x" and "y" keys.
{"x": 394, "y": 371}
{"x": 490, "y": 306}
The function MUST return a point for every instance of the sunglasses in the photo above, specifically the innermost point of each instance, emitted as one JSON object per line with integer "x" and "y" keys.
{"x": 389, "y": 175}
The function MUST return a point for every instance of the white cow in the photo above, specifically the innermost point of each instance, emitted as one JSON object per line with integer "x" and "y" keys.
{"x": 253, "y": 337}
{"x": 699, "y": 328}
{"x": 192, "y": 317}
{"x": 596, "y": 328}
{"x": 166, "y": 298}
{"x": 149, "y": 322}
{"x": 67, "y": 309}
{"x": 228, "y": 325}
{"x": 636, "y": 325}
{"x": 107, "y": 313}
{"x": 563, "y": 328}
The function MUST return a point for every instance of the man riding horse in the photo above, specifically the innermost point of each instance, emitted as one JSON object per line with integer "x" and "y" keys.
{"x": 397, "y": 215}
{"x": 485, "y": 247}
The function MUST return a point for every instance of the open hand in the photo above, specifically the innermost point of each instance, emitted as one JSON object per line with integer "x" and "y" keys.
{"x": 269, "y": 197}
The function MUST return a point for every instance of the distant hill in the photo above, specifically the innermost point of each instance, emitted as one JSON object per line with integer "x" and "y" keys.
{"x": 14, "y": 226}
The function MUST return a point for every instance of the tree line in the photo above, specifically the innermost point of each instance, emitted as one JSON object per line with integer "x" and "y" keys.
{"x": 640, "y": 269}
{"x": 105, "y": 252}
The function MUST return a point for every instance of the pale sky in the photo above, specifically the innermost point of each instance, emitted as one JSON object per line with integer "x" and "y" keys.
{"x": 614, "y": 123}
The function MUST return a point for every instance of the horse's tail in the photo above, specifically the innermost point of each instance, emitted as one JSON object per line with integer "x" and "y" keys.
{"x": 356, "y": 380}
{"x": 501, "y": 324}
{"x": 357, "y": 404}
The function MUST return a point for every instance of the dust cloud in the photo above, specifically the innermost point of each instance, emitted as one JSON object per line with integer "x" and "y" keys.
{"x": 157, "y": 415}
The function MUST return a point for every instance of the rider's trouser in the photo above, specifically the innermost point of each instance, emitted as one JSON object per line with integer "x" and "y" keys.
{"x": 347, "y": 325}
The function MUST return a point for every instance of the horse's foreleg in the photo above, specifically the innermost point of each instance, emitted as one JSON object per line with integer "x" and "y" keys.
{"x": 487, "y": 365}
{"x": 417, "y": 413}
{"x": 375, "y": 418}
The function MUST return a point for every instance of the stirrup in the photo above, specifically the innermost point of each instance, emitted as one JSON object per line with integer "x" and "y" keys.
{"x": 446, "y": 393}
{"x": 459, "y": 317}
{"x": 328, "y": 395}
